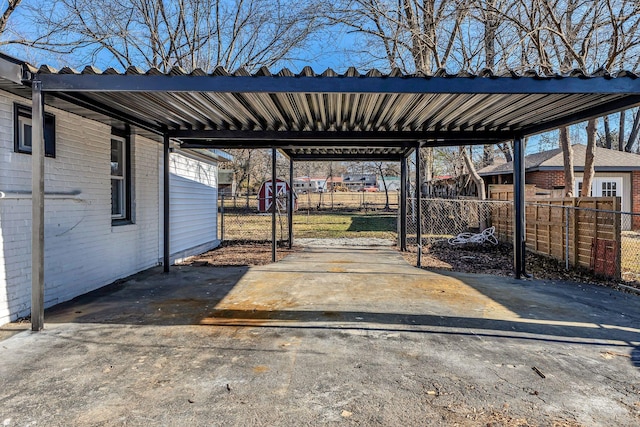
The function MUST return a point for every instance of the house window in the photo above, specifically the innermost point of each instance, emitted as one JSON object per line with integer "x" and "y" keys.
{"x": 602, "y": 187}
{"x": 579, "y": 190}
{"x": 609, "y": 188}
{"x": 120, "y": 180}
{"x": 23, "y": 131}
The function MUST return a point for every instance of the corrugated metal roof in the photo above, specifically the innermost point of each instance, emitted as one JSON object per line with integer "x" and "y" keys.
{"x": 329, "y": 115}
{"x": 605, "y": 159}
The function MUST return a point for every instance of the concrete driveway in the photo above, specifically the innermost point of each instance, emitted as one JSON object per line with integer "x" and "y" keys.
{"x": 329, "y": 336}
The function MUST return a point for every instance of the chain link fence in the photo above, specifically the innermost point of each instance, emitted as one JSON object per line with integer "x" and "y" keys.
{"x": 347, "y": 201}
{"x": 443, "y": 219}
{"x": 239, "y": 220}
{"x": 604, "y": 241}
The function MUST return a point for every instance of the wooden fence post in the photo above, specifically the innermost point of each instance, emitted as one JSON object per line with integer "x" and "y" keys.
{"x": 617, "y": 228}
{"x": 574, "y": 203}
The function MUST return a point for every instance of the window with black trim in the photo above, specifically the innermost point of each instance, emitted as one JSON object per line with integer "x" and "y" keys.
{"x": 120, "y": 178}
{"x": 23, "y": 131}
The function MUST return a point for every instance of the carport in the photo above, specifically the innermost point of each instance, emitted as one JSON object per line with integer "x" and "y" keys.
{"x": 309, "y": 116}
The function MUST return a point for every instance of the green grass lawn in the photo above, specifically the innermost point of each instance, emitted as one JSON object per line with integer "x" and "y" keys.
{"x": 312, "y": 225}
{"x": 631, "y": 255}
{"x": 335, "y": 225}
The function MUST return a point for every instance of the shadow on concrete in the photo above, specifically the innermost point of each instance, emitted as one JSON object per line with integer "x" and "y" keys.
{"x": 182, "y": 297}
{"x": 559, "y": 313}
{"x": 526, "y": 329}
{"x": 373, "y": 222}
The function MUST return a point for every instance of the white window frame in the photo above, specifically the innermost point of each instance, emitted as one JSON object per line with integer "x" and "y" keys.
{"x": 22, "y": 119}
{"x": 596, "y": 185}
{"x": 22, "y": 143}
{"x": 123, "y": 181}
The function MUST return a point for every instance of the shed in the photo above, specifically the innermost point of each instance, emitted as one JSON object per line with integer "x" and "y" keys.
{"x": 265, "y": 196}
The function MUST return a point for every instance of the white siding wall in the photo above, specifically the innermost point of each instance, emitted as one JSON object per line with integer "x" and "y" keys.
{"x": 83, "y": 251}
{"x": 193, "y": 204}
{"x": 626, "y": 186}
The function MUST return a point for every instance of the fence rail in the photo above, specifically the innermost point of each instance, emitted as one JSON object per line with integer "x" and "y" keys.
{"x": 335, "y": 201}
{"x": 583, "y": 232}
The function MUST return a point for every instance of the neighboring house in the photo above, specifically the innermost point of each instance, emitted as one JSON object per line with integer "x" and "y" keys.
{"x": 334, "y": 182}
{"x": 444, "y": 187}
{"x": 393, "y": 183}
{"x": 359, "y": 182}
{"x": 103, "y": 204}
{"x": 305, "y": 184}
{"x": 617, "y": 173}
{"x": 227, "y": 182}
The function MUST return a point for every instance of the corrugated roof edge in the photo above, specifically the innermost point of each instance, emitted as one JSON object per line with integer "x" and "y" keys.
{"x": 350, "y": 72}
{"x": 309, "y": 72}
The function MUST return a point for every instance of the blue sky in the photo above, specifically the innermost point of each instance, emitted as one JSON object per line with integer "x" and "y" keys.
{"x": 336, "y": 49}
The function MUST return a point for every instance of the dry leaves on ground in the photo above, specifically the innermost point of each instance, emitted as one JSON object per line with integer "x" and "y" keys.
{"x": 231, "y": 254}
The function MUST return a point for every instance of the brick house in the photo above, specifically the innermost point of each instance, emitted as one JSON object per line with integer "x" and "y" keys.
{"x": 617, "y": 173}
{"x": 103, "y": 203}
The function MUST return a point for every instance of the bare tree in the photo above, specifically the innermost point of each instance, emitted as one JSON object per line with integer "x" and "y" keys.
{"x": 8, "y": 11}
{"x": 413, "y": 35}
{"x": 567, "y": 155}
{"x": 589, "y": 160}
{"x": 477, "y": 179}
{"x": 385, "y": 169}
{"x": 608, "y": 140}
{"x": 184, "y": 33}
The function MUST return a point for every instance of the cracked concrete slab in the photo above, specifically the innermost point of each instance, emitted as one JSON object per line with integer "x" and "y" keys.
{"x": 329, "y": 335}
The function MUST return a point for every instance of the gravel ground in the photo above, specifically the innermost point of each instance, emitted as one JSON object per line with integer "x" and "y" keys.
{"x": 359, "y": 241}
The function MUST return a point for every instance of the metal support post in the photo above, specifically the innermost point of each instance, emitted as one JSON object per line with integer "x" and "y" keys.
{"x": 273, "y": 205}
{"x": 518, "y": 208}
{"x": 566, "y": 238}
{"x": 37, "y": 207}
{"x": 222, "y": 219}
{"x": 403, "y": 204}
{"x": 166, "y": 260}
{"x": 291, "y": 204}
{"x": 418, "y": 208}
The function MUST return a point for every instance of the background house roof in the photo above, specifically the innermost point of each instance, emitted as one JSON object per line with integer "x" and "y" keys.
{"x": 605, "y": 160}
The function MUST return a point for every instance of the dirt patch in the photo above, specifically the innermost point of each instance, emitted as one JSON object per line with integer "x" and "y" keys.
{"x": 498, "y": 260}
{"x": 239, "y": 253}
{"x": 11, "y": 329}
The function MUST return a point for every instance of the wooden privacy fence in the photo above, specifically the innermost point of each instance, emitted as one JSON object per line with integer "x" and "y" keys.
{"x": 583, "y": 231}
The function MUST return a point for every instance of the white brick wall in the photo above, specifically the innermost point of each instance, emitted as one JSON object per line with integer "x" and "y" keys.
{"x": 83, "y": 251}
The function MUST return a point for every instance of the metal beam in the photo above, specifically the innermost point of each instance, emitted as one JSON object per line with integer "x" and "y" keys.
{"x": 37, "y": 207}
{"x": 403, "y": 204}
{"x": 518, "y": 207}
{"x": 418, "y": 209}
{"x": 11, "y": 70}
{"x": 345, "y": 157}
{"x": 91, "y": 105}
{"x": 273, "y": 205}
{"x": 317, "y": 84}
{"x": 166, "y": 206}
{"x": 253, "y": 138}
{"x": 290, "y": 203}
{"x": 600, "y": 110}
